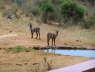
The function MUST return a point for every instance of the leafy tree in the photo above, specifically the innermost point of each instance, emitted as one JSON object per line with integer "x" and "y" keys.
{"x": 20, "y": 2}
{"x": 72, "y": 11}
{"x": 46, "y": 9}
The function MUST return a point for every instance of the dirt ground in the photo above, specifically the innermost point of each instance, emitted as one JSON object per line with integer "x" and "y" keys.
{"x": 66, "y": 37}
{"x": 72, "y": 36}
{"x": 34, "y": 61}
{"x": 16, "y": 33}
{"x": 24, "y": 39}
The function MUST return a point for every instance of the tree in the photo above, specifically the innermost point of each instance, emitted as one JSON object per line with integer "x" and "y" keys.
{"x": 20, "y": 2}
{"x": 72, "y": 11}
{"x": 46, "y": 9}
{"x": 92, "y": 2}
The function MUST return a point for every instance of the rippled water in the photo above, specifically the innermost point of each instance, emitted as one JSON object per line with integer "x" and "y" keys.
{"x": 84, "y": 53}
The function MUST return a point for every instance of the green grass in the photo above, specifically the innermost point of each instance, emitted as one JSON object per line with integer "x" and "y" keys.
{"x": 18, "y": 49}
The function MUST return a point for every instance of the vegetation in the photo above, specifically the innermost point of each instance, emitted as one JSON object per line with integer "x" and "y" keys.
{"x": 46, "y": 9}
{"x": 72, "y": 11}
{"x": 66, "y": 12}
{"x": 92, "y": 2}
{"x": 18, "y": 49}
{"x": 89, "y": 22}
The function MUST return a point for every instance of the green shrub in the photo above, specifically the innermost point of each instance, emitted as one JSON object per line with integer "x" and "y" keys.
{"x": 35, "y": 11}
{"x": 92, "y": 2}
{"x": 18, "y": 49}
{"x": 20, "y": 2}
{"x": 89, "y": 22}
{"x": 46, "y": 9}
{"x": 72, "y": 10}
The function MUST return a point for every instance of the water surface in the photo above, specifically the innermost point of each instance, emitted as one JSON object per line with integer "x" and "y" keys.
{"x": 84, "y": 53}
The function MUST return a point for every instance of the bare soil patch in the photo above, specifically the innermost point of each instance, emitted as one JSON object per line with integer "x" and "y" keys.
{"x": 28, "y": 61}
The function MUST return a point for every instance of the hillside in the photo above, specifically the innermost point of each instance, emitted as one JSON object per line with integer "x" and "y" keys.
{"x": 74, "y": 19}
{"x": 64, "y": 12}
{"x": 71, "y": 35}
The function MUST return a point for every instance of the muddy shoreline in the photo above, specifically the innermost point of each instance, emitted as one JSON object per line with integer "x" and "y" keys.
{"x": 62, "y": 47}
{"x": 55, "y": 47}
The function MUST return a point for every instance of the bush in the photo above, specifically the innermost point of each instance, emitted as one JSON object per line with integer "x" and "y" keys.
{"x": 35, "y": 11}
{"x": 71, "y": 10}
{"x": 92, "y": 2}
{"x": 61, "y": 11}
{"x": 47, "y": 9}
{"x": 89, "y": 22}
{"x": 18, "y": 49}
{"x": 20, "y": 2}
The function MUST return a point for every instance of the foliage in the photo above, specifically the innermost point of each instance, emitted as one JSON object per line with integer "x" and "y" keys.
{"x": 92, "y": 2}
{"x": 18, "y": 49}
{"x": 20, "y": 2}
{"x": 60, "y": 11}
{"x": 89, "y": 22}
{"x": 46, "y": 9}
{"x": 72, "y": 10}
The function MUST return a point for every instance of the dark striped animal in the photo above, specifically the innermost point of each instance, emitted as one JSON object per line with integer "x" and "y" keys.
{"x": 52, "y": 37}
{"x": 35, "y": 30}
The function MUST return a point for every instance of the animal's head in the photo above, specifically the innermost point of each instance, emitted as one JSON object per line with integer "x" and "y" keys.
{"x": 57, "y": 31}
{"x": 30, "y": 24}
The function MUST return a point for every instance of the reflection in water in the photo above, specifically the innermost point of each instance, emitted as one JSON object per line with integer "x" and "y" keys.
{"x": 85, "y": 53}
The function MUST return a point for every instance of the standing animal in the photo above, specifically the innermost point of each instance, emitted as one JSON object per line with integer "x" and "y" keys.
{"x": 52, "y": 37}
{"x": 34, "y": 30}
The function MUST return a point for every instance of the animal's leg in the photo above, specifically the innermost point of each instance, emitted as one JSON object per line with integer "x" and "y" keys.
{"x": 32, "y": 35}
{"x": 48, "y": 41}
{"x": 39, "y": 36}
{"x": 54, "y": 43}
{"x": 36, "y": 35}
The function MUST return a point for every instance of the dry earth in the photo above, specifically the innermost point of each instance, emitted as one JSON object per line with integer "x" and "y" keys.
{"x": 72, "y": 36}
{"x": 16, "y": 32}
{"x": 34, "y": 61}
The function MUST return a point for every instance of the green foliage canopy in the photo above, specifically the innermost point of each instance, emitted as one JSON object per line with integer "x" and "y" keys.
{"x": 72, "y": 10}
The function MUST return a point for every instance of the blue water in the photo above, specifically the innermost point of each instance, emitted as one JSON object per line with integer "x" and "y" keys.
{"x": 84, "y": 53}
